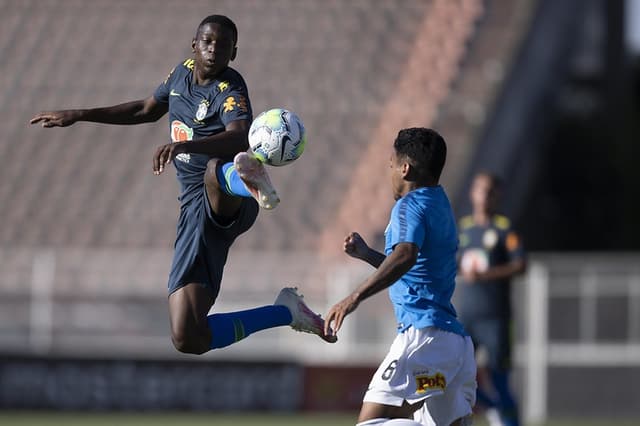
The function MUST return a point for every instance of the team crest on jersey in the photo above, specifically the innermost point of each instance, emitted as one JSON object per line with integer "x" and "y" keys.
{"x": 490, "y": 239}
{"x": 426, "y": 383}
{"x": 223, "y": 85}
{"x": 201, "y": 113}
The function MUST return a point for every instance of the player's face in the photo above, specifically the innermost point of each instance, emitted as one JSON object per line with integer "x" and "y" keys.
{"x": 214, "y": 48}
{"x": 484, "y": 194}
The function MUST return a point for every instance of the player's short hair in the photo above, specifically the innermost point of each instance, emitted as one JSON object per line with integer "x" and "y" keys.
{"x": 424, "y": 149}
{"x": 223, "y": 21}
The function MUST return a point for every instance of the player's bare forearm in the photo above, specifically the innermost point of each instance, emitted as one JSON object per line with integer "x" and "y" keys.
{"x": 394, "y": 266}
{"x": 134, "y": 112}
{"x": 504, "y": 272}
{"x": 390, "y": 269}
{"x": 355, "y": 246}
{"x": 374, "y": 258}
{"x": 222, "y": 145}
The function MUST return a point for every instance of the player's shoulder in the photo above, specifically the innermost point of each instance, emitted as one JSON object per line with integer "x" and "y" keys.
{"x": 185, "y": 66}
{"x": 413, "y": 200}
{"x": 229, "y": 80}
{"x": 501, "y": 222}
{"x": 466, "y": 222}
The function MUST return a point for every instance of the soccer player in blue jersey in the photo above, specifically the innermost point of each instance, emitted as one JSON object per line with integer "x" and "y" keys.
{"x": 429, "y": 372}
{"x": 491, "y": 255}
{"x": 221, "y": 187}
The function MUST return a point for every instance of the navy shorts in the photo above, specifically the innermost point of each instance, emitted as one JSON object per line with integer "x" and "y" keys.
{"x": 202, "y": 244}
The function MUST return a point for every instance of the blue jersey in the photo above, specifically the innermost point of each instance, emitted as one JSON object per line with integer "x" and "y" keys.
{"x": 199, "y": 111}
{"x": 195, "y": 111}
{"x": 422, "y": 297}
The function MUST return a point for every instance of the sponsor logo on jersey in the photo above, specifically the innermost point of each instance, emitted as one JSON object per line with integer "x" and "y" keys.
{"x": 201, "y": 113}
{"x": 223, "y": 85}
{"x": 180, "y": 132}
{"x": 173, "y": 93}
{"x": 425, "y": 383}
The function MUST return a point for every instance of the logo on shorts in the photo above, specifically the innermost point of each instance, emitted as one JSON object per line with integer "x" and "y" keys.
{"x": 425, "y": 383}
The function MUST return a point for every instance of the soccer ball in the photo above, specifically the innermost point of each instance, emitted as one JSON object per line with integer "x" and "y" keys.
{"x": 277, "y": 137}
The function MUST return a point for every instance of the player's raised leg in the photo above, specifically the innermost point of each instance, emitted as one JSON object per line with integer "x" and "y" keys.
{"x": 194, "y": 331}
{"x": 188, "y": 309}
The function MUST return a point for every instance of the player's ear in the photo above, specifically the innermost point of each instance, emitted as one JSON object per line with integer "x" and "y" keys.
{"x": 193, "y": 46}
{"x": 234, "y": 52}
{"x": 406, "y": 170}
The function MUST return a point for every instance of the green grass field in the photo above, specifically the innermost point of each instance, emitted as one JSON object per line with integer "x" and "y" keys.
{"x": 190, "y": 419}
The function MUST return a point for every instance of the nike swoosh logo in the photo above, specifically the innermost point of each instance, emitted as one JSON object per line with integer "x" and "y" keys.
{"x": 173, "y": 93}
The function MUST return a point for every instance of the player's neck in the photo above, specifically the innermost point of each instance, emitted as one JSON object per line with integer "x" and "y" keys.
{"x": 202, "y": 79}
{"x": 482, "y": 217}
{"x": 412, "y": 186}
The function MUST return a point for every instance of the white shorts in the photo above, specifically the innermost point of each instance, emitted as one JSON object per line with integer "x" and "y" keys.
{"x": 428, "y": 364}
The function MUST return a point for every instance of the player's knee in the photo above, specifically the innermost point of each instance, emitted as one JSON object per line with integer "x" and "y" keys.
{"x": 188, "y": 343}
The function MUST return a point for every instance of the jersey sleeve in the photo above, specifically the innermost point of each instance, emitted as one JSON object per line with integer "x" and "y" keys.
{"x": 233, "y": 104}
{"x": 162, "y": 92}
{"x": 407, "y": 224}
{"x": 513, "y": 245}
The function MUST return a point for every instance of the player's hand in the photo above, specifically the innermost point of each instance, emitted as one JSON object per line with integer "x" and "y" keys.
{"x": 471, "y": 276}
{"x": 335, "y": 317}
{"x": 163, "y": 155}
{"x": 355, "y": 246}
{"x": 56, "y": 118}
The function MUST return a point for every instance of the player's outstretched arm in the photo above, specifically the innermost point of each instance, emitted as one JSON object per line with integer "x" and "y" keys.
{"x": 394, "y": 266}
{"x": 135, "y": 112}
{"x": 355, "y": 246}
{"x": 505, "y": 271}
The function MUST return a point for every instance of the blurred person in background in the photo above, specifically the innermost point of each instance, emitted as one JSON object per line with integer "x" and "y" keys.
{"x": 490, "y": 256}
{"x": 222, "y": 187}
{"x": 429, "y": 373}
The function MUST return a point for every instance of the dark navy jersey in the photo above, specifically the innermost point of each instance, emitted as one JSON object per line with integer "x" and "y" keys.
{"x": 195, "y": 112}
{"x": 482, "y": 247}
{"x": 198, "y": 111}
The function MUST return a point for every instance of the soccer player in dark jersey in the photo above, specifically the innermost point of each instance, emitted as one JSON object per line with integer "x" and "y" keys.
{"x": 209, "y": 115}
{"x": 491, "y": 254}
